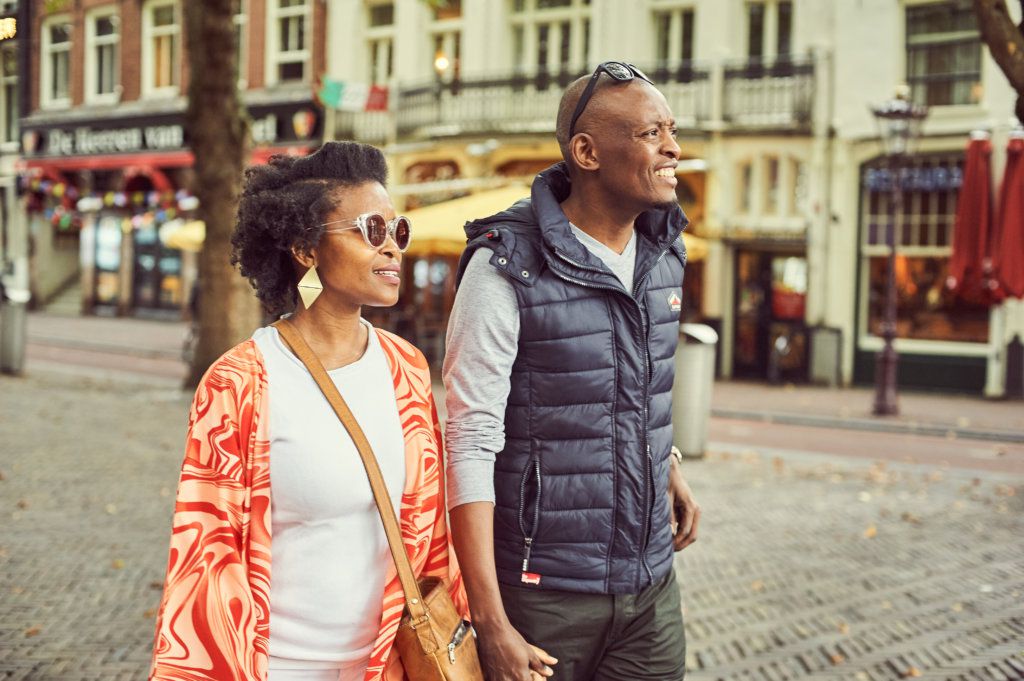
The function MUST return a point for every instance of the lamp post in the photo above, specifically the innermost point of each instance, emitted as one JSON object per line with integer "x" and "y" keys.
{"x": 899, "y": 125}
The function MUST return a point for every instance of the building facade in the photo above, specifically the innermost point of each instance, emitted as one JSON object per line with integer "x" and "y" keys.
{"x": 106, "y": 168}
{"x": 781, "y": 153}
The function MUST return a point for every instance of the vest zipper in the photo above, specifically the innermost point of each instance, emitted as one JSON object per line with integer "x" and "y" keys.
{"x": 528, "y": 536}
{"x": 645, "y": 338}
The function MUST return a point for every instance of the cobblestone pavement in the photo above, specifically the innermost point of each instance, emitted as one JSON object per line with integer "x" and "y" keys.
{"x": 808, "y": 567}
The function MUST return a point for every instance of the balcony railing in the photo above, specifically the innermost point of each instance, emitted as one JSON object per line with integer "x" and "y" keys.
{"x": 778, "y": 94}
{"x": 751, "y": 95}
{"x": 524, "y": 103}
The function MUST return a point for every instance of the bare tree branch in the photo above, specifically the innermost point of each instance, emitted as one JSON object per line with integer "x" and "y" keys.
{"x": 1005, "y": 42}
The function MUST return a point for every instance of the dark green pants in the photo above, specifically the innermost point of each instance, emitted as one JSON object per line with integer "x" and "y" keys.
{"x": 628, "y": 637}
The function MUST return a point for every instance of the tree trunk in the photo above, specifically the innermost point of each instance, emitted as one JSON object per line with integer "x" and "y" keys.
{"x": 1005, "y": 41}
{"x": 218, "y": 132}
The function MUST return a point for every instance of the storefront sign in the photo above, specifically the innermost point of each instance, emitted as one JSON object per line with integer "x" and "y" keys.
{"x": 919, "y": 179}
{"x": 85, "y": 141}
{"x": 271, "y": 124}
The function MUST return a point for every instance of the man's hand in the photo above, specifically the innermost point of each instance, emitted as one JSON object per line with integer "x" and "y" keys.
{"x": 685, "y": 509}
{"x": 506, "y": 656}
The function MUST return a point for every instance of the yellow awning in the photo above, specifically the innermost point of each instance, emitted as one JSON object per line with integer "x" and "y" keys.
{"x": 185, "y": 236}
{"x": 438, "y": 229}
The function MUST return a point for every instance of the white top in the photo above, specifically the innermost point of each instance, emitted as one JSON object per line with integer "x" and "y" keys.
{"x": 480, "y": 349}
{"x": 329, "y": 552}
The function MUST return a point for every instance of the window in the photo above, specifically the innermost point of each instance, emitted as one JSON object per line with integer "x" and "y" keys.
{"x": 784, "y": 30}
{"x": 55, "y": 70}
{"x": 9, "y": 94}
{"x": 446, "y": 40}
{"x": 769, "y": 30}
{"x": 101, "y": 56}
{"x": 923, "y": 234}
{"x": 289, "y": 41}
{"x": 771, "y": 194}
{"x": 381, "y": 41}
{"x": 943, "y": 54}
{"x": 161, "y": 51}
{"x": 755, "y": 31}
{"x": 674, "y": 36}
{"x": 550, "y": 37}
{"x": 242, "y": 44}
{"x": 746, "y": 181}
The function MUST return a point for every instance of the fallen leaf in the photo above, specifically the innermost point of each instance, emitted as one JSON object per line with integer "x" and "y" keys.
{"x": 111, "y": 509}
{"x": 1005, "y": 491}
{"x": 778, "y": 464}
{"x": 117, "y": 564}
{"x": 22, "y": 503}
{"x": 2, "y": 476}
{"x": 156, "y": 585}
{"x": 757, "y": 585}
{"x": 912, "y": 673}
{"x": 871, "y": 532}
{"x": 32, "y": 631}
{"x": 958, "y": 607}
{"x": 149, "y": 614}
{"x": 836, "y": 658}
{"x": 909, "y": 517}
{"x": 844, "y": 628}
{"x": 864, "y": 496}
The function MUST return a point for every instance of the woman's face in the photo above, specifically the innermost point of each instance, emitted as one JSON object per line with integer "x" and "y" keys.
{"x": 353, "y": 272}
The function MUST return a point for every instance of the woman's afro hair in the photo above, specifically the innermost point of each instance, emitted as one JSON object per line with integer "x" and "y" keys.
{"x": 283, "y": 206}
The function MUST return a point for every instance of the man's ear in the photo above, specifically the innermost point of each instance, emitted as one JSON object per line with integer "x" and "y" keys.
{"x": 583, "y": 151}
{"x": 305, "y": 258}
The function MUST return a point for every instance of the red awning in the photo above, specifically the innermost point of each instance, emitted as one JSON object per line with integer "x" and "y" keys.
{"x": 969, "y": 266}
{"x": 1008, "y": 245}
{"x": 158, "y": 159}
{"x": 182, "y": 158}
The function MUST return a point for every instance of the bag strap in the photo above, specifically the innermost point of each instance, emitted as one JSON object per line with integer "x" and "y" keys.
{"x": 413, "y": 598}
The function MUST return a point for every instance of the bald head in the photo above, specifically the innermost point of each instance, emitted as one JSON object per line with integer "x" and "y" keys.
{"x": 598, "y": 115}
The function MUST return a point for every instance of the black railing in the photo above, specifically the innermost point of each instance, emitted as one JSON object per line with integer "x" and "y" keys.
{"x": 776, "y": 93}
{"x": 526, "y": 102}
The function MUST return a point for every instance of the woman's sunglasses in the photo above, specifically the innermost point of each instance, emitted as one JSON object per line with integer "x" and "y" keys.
{"x": 619, "y": 70}
{"x": 376, "y": 229}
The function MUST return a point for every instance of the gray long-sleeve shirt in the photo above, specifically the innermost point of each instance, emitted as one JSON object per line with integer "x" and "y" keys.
{"x": 481, "y": 346}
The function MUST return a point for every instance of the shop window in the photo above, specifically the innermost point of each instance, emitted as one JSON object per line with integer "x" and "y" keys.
{"x": 101, "y": 57}
{"x": 289, "y": 40}
{"x": 55, "y": 69}
{"x": 9, "y": 94}
{"x": 161, "y": 49}
{"x": 448, "y": 9}
{"x": 923, "y": 232}
{"x": 943, "y": 54}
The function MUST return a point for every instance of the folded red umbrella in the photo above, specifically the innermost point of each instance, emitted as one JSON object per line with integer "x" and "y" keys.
{"x": 969, "y": 264}
{"x": 1008, "y": 244}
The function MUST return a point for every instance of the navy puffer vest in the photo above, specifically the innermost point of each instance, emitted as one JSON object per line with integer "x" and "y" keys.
{"x": 581, "y": 500}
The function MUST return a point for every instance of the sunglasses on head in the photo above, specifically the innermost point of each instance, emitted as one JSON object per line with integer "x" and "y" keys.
{"x": 619, "y": 70}
{"x": 376, "y": 229}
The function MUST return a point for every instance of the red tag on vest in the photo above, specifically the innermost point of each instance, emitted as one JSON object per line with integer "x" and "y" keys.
{"x": 530, "y": 578}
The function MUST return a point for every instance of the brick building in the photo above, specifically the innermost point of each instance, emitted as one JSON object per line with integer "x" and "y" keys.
{"x": 105, "y": 160}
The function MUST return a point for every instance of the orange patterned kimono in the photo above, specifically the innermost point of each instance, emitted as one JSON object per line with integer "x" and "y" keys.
{"x": 214, "y": 618}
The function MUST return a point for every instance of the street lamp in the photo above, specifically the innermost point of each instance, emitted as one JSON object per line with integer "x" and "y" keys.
{"x": 899, "y": 125}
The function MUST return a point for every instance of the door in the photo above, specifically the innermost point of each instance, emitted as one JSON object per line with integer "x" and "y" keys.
{"x": 771, "y": 336}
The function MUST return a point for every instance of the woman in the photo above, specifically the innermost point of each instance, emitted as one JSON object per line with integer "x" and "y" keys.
{"x": 279, "y": 562}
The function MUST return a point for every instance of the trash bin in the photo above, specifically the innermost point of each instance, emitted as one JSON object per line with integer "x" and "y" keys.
{"x": 691, "y": 392}
{"x": 13, "y": 316}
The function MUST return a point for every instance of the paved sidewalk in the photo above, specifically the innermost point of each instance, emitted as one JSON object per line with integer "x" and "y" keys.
{"x": 966, "y": 416}
{"x": 808, "y": 568}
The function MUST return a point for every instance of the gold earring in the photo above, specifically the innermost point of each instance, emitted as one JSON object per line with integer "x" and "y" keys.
{"x": 310, "y": 287}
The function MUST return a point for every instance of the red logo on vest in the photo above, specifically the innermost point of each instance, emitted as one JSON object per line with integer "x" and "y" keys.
{"x": 674, "y": 302}
{"x": 530, "y": 578}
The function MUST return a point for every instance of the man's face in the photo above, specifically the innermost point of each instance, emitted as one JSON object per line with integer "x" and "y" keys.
{"x": 635, "y": 142}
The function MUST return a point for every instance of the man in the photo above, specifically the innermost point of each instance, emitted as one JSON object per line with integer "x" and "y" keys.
{"x": 562, "y": 490}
